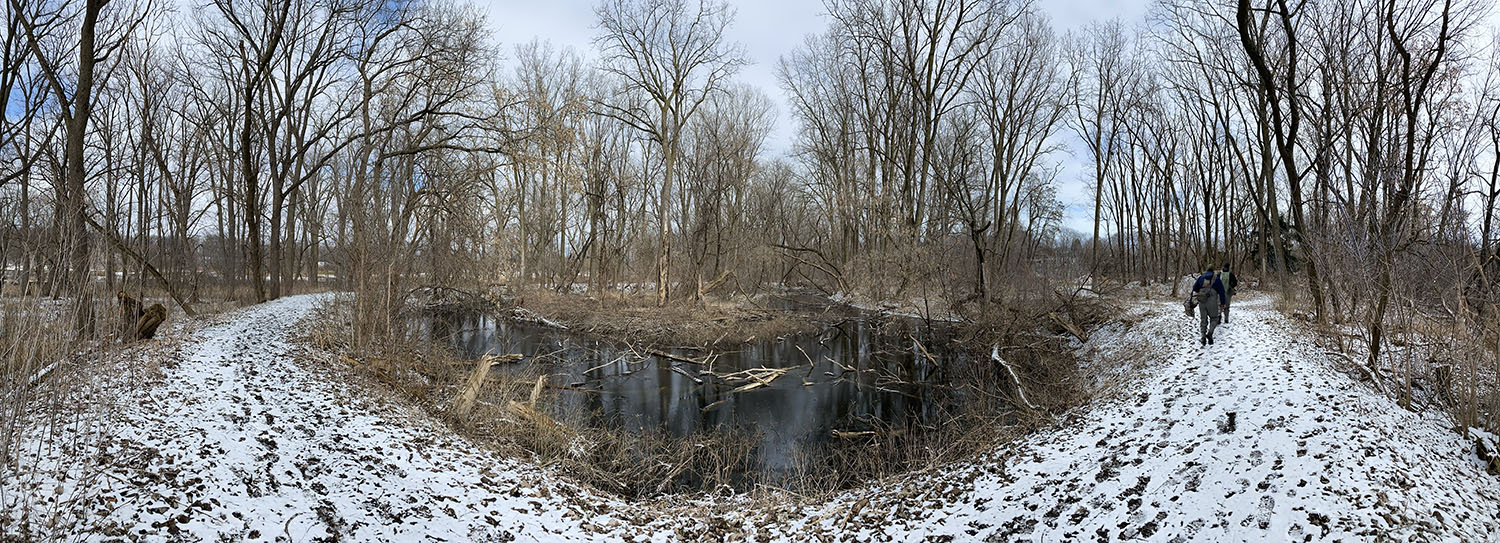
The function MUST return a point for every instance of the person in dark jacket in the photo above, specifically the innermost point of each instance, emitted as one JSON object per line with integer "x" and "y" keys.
{"x": 1208, "y": 291}
{"x": 1230, "y": 281}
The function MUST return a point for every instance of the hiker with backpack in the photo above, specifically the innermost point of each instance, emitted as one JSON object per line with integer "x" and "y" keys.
{"x": 1208, "y": 295}
{"x": 1230, "y": 281}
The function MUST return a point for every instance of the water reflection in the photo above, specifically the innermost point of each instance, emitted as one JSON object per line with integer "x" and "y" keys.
{"x": 849, "y": 378}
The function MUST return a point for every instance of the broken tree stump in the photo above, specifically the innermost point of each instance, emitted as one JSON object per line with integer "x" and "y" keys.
{"x": 136, "y": 323}
{"x": 130, "y": 315}
{"x": 464, "y": 401}
{"x": 536, "y": 391}
{"x": 1487, "y": 447}
{"x": 145, "y": 327}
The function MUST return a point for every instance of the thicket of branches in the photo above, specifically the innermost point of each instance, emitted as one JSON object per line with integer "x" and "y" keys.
{"x": 1344, "y": 151}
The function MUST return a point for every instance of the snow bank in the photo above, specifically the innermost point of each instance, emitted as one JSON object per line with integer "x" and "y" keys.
{"x": 238, "y": 439}
{"x": 1255, "y": 438}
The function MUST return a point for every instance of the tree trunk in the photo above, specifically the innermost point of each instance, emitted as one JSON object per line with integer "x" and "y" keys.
{"x": 250, "y": 171}
{"x": 664, "y": 243}
{"x": 277, "y": 203}
{"x": 78, "y": 243}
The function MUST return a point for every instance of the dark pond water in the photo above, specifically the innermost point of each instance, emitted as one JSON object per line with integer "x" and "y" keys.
{"x": 853, "y": 377}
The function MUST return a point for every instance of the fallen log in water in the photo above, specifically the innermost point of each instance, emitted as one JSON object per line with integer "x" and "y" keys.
{"x": 747, "y": 387}
{"x": 764, "y": 376}
{"x": 756, "y": 377}
{"x": 684, "y": 373}
{"x": 664, "y": 354}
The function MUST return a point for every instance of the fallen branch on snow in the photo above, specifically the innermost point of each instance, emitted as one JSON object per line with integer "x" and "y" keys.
{"x": 1069, "y": 326}
{"x": 41, "y": 374}
{"x": 1368, "y": 374}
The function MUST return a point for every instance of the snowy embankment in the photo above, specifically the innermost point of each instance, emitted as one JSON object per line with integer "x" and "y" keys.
{"x": 243, "y": 436}
{"x": 239, "y": 440}
{"x": 1255, "y": 438}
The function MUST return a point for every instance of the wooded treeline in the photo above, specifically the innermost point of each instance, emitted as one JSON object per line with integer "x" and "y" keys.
{"x": 1341, "y": 150}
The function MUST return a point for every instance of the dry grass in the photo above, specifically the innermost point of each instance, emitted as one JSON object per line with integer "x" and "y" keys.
{"x": 1037, "y": 338}
{"x": 1440, "y": 358}
{"x": 679, "y": 323}
{"x": 637, "y": 465}
{"x": 58, "y": 378}
{"x": 507, "y": 414}
{"x": 52, "y": 352}
{"x": 35, "y": 339}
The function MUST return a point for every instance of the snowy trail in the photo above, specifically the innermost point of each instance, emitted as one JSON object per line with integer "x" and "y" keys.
{"x": 1311, "y": 457}
{"x": 239, "y": 441}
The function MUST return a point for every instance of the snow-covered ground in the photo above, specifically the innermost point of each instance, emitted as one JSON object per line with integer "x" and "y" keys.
{"x": 1310, "y": 456}
{"x": 240, "y": 438}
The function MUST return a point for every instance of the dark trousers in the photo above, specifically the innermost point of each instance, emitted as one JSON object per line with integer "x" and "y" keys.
{"x": 1208, "y": 319}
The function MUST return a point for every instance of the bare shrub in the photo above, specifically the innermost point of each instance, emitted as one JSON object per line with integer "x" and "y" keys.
{"x": 504, "y": 416}
{"x": 976, "y": 408}
{"x": 53, "y": 430}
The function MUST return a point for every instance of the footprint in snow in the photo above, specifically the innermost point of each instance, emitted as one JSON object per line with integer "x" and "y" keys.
{"x": 1263, "y": 517}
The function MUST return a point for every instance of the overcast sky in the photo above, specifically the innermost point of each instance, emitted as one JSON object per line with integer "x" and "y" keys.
{"x": 771, "y": 28}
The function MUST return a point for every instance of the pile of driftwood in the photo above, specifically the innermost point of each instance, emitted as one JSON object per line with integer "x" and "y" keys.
{"x": 136, "y": 322}
{"x": 753, "y": 378}
{"x": 746, "y": 380}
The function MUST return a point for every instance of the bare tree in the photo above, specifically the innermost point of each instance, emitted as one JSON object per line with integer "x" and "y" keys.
{"x": 1021, "y": 94}
{"x": 1107, "y": 70}
{"x": 1283, "y": 95}
{"x": 677, "y": 55}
